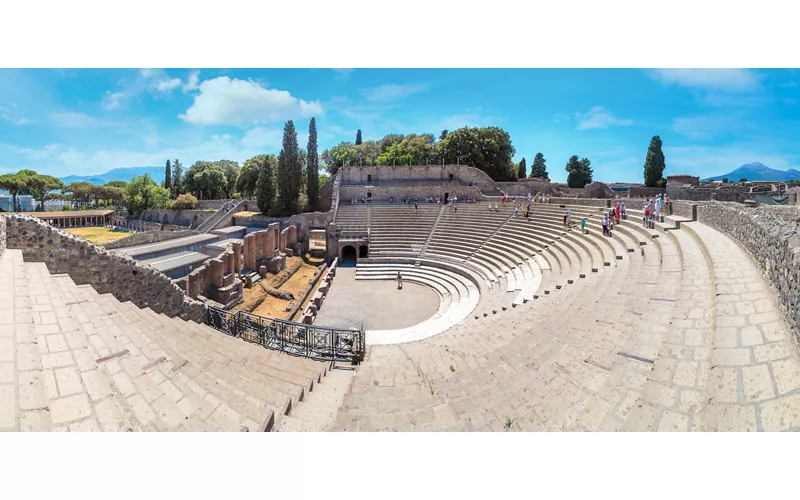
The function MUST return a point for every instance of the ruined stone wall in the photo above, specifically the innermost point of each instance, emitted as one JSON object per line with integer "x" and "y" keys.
{"x": 187, "y": 218}
{"x": 211, "y": 204}
{"x": 440, "y": 173}
{"x": 326, "y": 196}
{"x": 105, "y": 271}
{"x": 228, "y": 218}
{"x": 149, "y": 237}
{"x": 308, "y": 221}
{"x": 413, "y": 190}
{"x": 732, "y": 193}
{"x": 2, "y": 235}
{"x": 645, "y": 192}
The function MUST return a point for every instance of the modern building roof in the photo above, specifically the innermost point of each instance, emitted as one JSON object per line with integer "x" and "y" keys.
{"x": 173, "y": 261}
{"x": 162, "y": 246}
{"x": 67, "y": 215}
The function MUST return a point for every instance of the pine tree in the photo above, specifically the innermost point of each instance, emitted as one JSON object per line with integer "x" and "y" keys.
{"x": 523, "y": 169}
{"x": 539, "y": 169}
{"x": 168, "y": 176}
{"x": 312, "y": 165}
{"x": 289, "y": 168}
{"x": 580, "y": 172}
{"x": 177, "y": 177}
{"x": 654, "y": 163}
{"x": 265, "y": 187}
{"x": 358, "y": 137}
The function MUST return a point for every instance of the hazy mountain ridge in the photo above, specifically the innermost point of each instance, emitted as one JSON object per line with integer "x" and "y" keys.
{"x": 117, "y": 174}
{"x": 757, "y": 171}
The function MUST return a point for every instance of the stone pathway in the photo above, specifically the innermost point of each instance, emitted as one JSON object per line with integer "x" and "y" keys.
{"x": 755, "y": 367}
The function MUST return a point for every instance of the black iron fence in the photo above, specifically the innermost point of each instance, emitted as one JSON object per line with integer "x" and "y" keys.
{"x": 297, "y": 339}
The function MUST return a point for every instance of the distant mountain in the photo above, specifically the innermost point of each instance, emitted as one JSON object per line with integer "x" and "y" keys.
{"x": 118, "y": 174}
{"x": 758, "y": 172}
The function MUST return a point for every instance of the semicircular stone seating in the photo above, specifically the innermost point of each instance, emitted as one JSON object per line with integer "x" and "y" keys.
{"x": 479, "y": 259}
{"x": 668, "y": 328}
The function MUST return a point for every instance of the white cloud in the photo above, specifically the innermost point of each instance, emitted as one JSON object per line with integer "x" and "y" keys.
{"x": 599, "y": 117}
{"x": 168, "y": 85}
{"x": 730, "y": 80}
{"x": 10, "y": 117}
{"x": 226, "y": 101}
{"x": 113, "y": 100}
{"x": 470, "y": 118}
{"x": 392, "y": 92}
{"x": 192, "y": 81}
{"x": 71, "y": 119}
{"x": 155, "y": 81}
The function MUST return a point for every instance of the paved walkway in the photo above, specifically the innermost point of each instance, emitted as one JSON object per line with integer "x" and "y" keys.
{"x": 755, "y": 367}
{"x": 379, "y": 304}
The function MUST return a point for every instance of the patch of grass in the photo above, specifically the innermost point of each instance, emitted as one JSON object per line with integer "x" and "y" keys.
{"x": 98, "y": 235}
{"x": 507, "y": 425}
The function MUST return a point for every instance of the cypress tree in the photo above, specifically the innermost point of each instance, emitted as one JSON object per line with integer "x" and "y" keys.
{"x": 654, "y": 163}
{"x": 265, "y": 187}
{"x": 358, "y": 137}
{"x": 523, "y": 169}
{"x": 177, "y": 177}
{"x": 312, "y": 165}
{"x": 539, "y": 169}
{"x": 168, "y": 176}
{"x": 289, "y": 168}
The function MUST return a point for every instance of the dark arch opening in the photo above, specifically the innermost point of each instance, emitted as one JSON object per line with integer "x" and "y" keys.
{"x": 363, "y": 252}
{"x": 348, "y": 256}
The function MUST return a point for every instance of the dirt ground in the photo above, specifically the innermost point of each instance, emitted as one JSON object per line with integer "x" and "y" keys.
{"x": 264, "y": 304}
{"x": 98, "y": 235}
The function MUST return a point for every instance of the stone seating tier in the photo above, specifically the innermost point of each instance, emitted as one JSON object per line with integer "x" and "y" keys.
{"x": 86, "y": 361}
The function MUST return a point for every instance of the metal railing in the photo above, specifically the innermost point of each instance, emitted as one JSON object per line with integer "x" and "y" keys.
{"x": 297, "y": 339}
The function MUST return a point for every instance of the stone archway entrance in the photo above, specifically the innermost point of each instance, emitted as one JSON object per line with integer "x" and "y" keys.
{"x": 348, "y": 255}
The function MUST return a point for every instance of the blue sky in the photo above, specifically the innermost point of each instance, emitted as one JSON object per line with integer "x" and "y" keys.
{"x": 64, "y": 122}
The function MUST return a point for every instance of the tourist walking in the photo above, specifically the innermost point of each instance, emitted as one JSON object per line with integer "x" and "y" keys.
{"x": 583, "y": 226}
{"x": 399, "y": 281}
{"x": 566, "y": 215}
{"x": 605, "y": 225}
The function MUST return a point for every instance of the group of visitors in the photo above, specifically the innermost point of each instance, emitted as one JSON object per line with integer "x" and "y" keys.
{"x": 612, "y": 218}
{"x": 656, "y": 209}
{"x": 354, "y": 201}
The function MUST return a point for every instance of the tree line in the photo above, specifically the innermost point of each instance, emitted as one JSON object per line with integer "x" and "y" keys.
{"x": 289, "y": 182}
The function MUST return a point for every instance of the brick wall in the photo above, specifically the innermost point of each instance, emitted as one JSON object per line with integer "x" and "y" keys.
{"x": 105, "y": 271}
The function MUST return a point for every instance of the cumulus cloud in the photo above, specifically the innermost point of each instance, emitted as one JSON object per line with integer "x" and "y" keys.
{"x": 730, "y": 80}
{"x": 226, "y": 101}
{"x": 154, "y": 81}
{"x": 599, "y": 117}
{"x": 392, "y": 92}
